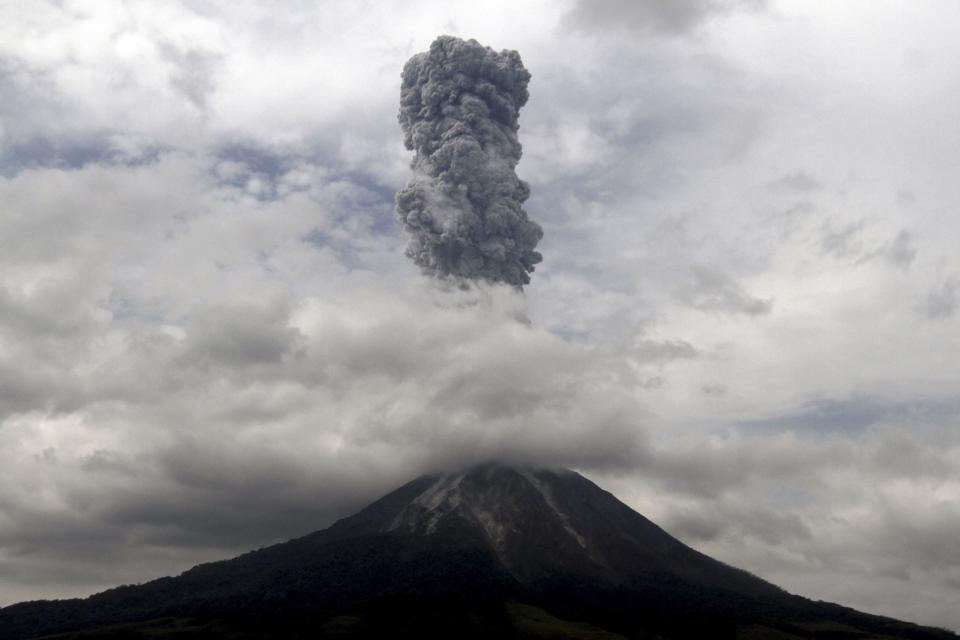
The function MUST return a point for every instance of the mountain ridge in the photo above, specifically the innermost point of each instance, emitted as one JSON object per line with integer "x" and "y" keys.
{"x": 462, "y": 553}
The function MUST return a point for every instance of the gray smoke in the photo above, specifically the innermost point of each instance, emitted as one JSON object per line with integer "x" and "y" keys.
{"x": 459, "y": 104}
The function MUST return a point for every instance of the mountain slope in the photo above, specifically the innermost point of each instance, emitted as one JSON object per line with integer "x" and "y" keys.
{"x": 492, "y": 551}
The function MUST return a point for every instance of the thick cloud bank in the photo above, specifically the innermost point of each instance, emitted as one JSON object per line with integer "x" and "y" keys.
{"x": 459, "y": 104}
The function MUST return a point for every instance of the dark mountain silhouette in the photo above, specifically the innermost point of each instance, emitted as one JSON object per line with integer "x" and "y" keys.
{"x": 492, "y": 552}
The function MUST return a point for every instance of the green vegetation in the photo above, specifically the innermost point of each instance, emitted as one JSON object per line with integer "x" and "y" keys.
{"x": 760, "y": 632}
{"x": 831, "y": 626}
{"x": 532, "y": 622}
{"x": 163, "y": 629}
{"x": 342, "y": 627}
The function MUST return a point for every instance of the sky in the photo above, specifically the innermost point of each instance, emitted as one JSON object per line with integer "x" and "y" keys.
{"x": 744, "y": 325}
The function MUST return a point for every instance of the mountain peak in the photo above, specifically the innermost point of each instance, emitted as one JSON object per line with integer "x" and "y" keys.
{"x": 507, "y": 504}
{"x": 490, "y": 494}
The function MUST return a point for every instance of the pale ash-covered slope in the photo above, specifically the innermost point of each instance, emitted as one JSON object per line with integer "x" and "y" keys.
{"x": 543, "y": 524}
{"x": 454, "y": 556}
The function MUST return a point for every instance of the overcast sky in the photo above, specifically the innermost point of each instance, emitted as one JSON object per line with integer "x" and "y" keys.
{"x": 745, "y": 324}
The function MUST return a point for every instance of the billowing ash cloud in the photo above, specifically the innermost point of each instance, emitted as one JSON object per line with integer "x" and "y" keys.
{"x": 459, "y": 104}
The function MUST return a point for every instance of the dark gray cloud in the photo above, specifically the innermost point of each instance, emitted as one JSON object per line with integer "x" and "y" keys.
{"x": 695, "y": 525}
{"x": 768, "y": 525}
{"x": 853, "y": 414}
{"x": 664, "y": 350}
{"x": 852, "y": 243}
{"x": 194, "y": 72}
{"x": 716, "y": 389}
{"x": 241, "y": 336}
{"x": 664, "y": 16}
{"x": 797, "y": 181}
{"x": 459, "y": 104}
{"x": 723, "y": 468}
{"x": 45, "y": 152}
{"x": 254, "y": 168}
{"x": 942, "y": 301}
{"x": 901, "y": 251}
{"x": 769, "y": 458}
{"x": 712, "y": 290}
{"x": 906, "y": 196}
{"x": 844, "y": 242}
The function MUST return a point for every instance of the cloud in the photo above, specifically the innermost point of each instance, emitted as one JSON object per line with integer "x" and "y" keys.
{"x": 941, "y": 302}
{"x": 183, "y": 384}
{"x": 852, "y": 414}
{"x": 241, "y": 336}
{"x": 711, "y": 290}
{"x": 715, "y": 389}
{"x": 901, "y": 251}
{"x": 799, "y": 181}
{"x": 843, "y": 243}
{"x": 657, "y": 16}
{"x": 734, "y": 497}
{"x": 249, "y": 446}
{"x": 851, "y": 243}
{"x": 663, "y": 350}
{"x": 194, "y": 72}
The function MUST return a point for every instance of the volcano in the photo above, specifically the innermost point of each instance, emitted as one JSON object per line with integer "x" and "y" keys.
{"x": 490, "y": 552}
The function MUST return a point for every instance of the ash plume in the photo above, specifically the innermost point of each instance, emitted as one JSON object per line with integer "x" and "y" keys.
{"x": 459, "y": 104}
